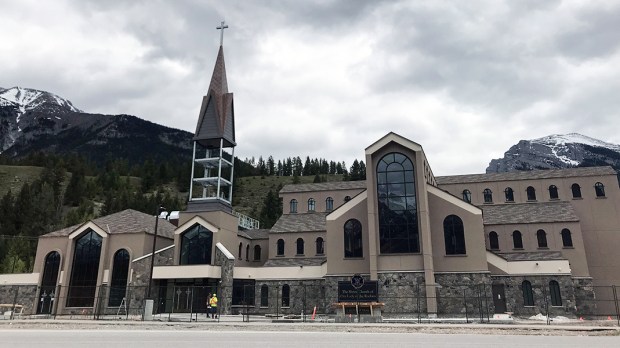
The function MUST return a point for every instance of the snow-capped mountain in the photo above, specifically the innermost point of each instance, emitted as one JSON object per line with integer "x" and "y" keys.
{"x": 32, "y": 120}
{"x": 557, "y": 151}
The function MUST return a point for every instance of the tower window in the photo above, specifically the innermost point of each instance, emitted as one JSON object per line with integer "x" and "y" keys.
{"x": 567, "y": 239}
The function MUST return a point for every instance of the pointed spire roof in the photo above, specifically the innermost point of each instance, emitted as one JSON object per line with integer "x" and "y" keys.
{"x": 216, "y": 119}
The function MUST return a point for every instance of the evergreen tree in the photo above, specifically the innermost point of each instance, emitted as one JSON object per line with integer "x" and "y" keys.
{"x": 272, "y": 209}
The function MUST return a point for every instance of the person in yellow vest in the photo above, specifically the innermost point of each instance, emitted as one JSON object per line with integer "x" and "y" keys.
{"x": 213, "y": 303}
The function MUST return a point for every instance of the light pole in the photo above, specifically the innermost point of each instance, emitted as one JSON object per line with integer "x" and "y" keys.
{"x": 160, "y": 209}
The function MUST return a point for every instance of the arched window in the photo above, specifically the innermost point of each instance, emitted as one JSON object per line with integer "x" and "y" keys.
{"x": 347, "y": 198}
{"x": 493, "y": 240}
{"x": 398, "y": 219}
{"x": 48, "y": 283}
{"x": 319, "y": 246}
{"x": 488, "y": 196}
{"x": 528, "y": 295}
{"x": 599, "y": 189}
{"x": 196, "y": 245}
{"x": 257, "y": 253}
{"x": 293, "y": 206}
{"x": 554, "y": 291}
{"x": 576, "y": 190}
{"x": 531, "y": 193}
{"x": 300, "y": 246}
{"x": 567, "y": 239}
{"x": 353, "y": 239}
{"x": 553, "y": 192}
{"x": 264, "y": 296}
{"x": 541, "y": 236}
{"x": 510, "y": 194}
{"x": 240, "y": 250}
{"x": 286, "y": 295}
{"x": 467, "y": 196}
{"x": 85, "y": 270}
{"x": 311, "y": 204}
{"x": 517, "y": 240}
{"x": 280, "y": 247}
{"x": 329, "y": 204}
{"x": 118, "y": 284}
{"x": 454, "y": 235}
{"x": 247, "y": 252}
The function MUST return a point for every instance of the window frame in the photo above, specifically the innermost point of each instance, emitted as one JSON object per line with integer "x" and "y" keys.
{"x": 353, "y": 240}
{"x": 286, "y": 296}
{"x": 567, "y": 238}
{"x": 530, "y": 194}
{"x": 320, "y": 246}
{"x": 257, "y": 252}
{"x": 553, "y": 192}
{"x": 118, "y": 277}
{"x": 555, "y": 293}
{"x": 466, "y": 196}
{"x": 311, "y": 204}
{"x": 493, "y": 236}
{"x": 517, "y": 236}
{"x": 300, "y": 246}
{"x": 280, "y": 247}
{"x": 200, "y": 243}
{"x": 487, "y": 195}
{"x": 329, "y": 204}
{"x": 509, "y": 194}
{"x": 528, "y": 294}
{"x": 599, "y": 190}
{"x": 541, "y": 238}
{"x": 85, "y": 270}
{"x": 454, "y": 235}
{"x": 293, "y": 206}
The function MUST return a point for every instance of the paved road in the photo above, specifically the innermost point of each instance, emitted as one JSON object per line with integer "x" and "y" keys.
{"x": 226, "y": 339}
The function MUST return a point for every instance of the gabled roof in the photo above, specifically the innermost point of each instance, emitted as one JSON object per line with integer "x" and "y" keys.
{"x": 217, "y": 118}
{"x": 525, "y": 213}
{"x": 124, "y": 222}
{"x": 324, "y": 186}
{"x": 254, "y": 234}
{"x": 525, "y": 175}
{"x": 307, "y": 222}
{"x": 393, "y": 137}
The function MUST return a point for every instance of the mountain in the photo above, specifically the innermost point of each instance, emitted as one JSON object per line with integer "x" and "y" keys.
{"x": 32, "y": 120}
{"x": 557, "y": 151}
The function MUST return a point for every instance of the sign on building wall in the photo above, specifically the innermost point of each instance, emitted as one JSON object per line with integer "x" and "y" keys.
{"x": 368, "y": 292}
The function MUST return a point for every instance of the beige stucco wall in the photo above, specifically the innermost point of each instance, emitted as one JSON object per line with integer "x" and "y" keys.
{"x": 441, "y": 206}
{"x": 320, "y": 198}
{"x": 240, "y": 258}
{"x": 337, "y": 264}
{"x": 223, "y": 225}
{"x": 290, "y": 244}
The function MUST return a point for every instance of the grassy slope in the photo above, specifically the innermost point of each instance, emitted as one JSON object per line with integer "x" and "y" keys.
{"x": 13, "y": 177}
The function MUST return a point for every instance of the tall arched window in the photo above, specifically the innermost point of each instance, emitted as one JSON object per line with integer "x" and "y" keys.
{"x": 286, "y": 295}
{"x": 329, "y": 204}
{"x": 567, "y": 239}
{"x": 541, "y": 236}
{"x": 398, "y": 219}
{"x": 353, "y": 239}
{"x": 510, "y": 194}
{"x": 264, "y": 296}
{"x": 319, "y": 246}
{"x": 454, "y": 235}
{"x": 517, "y": 240}
{"x": 118, "y": 284}
{"x": 467, "y": 196}
{"x": 553, "y": 192}
{"x": 311, "y": 204}
{"x": 240, "y": 250}
{"x": 293, "y": 206}
{"x": 488, "y": 195}
{"x": 300, "y": 246}
{"x": 554, "y": 292}
{"x": 48, "y": 282}
{"x": 85, "y": 270}
{"x": 493, "y": 240}
{"x": 280, "y": 247}
{"x": 257, "y": 253}
{"x": 576, "y": 190}
{"x": 196, "y": 245}
{"x": 528, "y": 295}
{"x": 599, "y": 189}
{"x": 247, "y": 252}
{"x": 531, "y": 193}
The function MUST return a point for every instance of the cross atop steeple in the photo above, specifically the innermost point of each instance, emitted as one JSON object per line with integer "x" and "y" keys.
{"x": 222, "y": 27}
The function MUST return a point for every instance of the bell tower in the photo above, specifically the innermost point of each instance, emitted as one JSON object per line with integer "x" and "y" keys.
{"x": 214, "y": 144}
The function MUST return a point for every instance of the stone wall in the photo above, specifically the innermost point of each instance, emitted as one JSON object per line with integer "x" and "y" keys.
{"x": 303, "y": 297}
{"x": 464, "y": 294}
{"x": 24, "y": 295}
{"x": 402, "y": 293}
{"x": 227, "y": 267}
{"x": 137, "y": 288}
{"x": 542, "y": 298}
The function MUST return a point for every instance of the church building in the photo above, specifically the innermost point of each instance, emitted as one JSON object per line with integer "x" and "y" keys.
{"x": 516, "y": 242}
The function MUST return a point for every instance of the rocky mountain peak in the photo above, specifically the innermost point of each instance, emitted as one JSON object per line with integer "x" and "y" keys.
{"x": 28, "y": 99}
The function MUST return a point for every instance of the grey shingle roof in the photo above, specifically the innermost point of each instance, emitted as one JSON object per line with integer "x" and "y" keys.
{"x": 281, "y": 262}
{"x": 254, "y": 234}
{"x": 525, "y": 175}
{"x": 532, "y": 256}
{"x": 324, "y": 186}
{"x": 306, "y": 222}
{"x": 528, "y": 213}
{"x": 126, "y": 221}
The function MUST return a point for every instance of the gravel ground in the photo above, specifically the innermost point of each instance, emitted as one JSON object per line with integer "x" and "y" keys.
{"x": 477, "y": 329}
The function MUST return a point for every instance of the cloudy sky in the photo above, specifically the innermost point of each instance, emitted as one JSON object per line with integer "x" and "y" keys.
{"x": 465, "y": 79}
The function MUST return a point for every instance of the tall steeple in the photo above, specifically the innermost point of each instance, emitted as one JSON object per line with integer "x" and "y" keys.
{"x": 214, "y": 143}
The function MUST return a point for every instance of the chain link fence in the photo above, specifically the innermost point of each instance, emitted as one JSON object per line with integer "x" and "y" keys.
{"x": 304, "y": 303}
